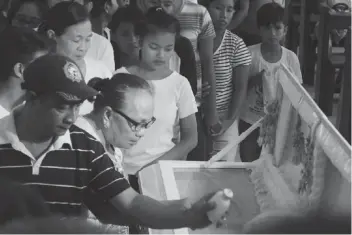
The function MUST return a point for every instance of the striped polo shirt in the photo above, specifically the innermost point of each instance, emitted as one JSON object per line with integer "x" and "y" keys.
{"x": 231, "y": 53}
{"x": 72, "y": 165}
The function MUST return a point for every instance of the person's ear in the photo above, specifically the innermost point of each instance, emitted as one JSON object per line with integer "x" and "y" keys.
{"x": 18, "y": 70}
{"x": 107, "y": 116}
{"x": 89, "y": 6}
{"x": 285, "y": 30}
{"x": 107, "y": 7}
{"x": 51, "y": 34}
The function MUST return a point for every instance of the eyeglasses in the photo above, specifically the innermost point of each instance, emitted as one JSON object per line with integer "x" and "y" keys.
{"x": 136, "y": 126}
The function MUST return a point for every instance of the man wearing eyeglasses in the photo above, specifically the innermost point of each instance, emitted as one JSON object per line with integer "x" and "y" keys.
{"x": 40, "y": 147}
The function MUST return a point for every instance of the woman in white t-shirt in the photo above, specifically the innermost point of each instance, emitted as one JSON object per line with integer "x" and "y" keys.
{"x": 173, "y": 96}
{"x": 68, "y": 24}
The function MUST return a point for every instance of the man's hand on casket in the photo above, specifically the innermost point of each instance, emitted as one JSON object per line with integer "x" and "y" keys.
{"x": 198, "y": 211}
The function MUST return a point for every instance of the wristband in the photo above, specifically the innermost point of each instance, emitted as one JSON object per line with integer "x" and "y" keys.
{"x": 215, "y": 129}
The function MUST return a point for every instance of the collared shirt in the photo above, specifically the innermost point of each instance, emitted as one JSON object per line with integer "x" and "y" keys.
{"x": 87, "y": 125}
{"x": 74, "y": 163}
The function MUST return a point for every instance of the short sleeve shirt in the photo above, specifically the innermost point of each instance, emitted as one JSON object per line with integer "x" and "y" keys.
{"x": 73, "y": 163}
{"x": 259, "y": 96}
{"x": 231, "y": 53}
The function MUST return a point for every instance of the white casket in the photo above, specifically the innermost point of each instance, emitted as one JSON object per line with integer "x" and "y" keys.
{"x": 305, "y": 164}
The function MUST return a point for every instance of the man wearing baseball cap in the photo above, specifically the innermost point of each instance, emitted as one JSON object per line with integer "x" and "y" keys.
{"x": 41, "y": 147}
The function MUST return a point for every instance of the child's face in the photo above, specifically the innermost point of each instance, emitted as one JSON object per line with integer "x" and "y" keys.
{"x": 221, "y": 12}
{"x": 273, "y": 33}
{"x": 157, "y": 49}
{"x": 125, "y": 38}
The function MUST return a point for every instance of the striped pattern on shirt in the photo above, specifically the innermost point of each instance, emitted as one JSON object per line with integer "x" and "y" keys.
{"x": 65, "y": 174}
{"x": 196, "y": 24}
{"x": 231, "y": 53}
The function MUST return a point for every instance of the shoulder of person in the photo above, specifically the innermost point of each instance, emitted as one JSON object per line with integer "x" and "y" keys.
{"x": 82, "y": 139}
{"x": 121, "y": 70}
{"x": 192, "y": 7}
{"x": 289, "y": 53}
{"x": 4, "y": 123}
{"x": 84, "y": 124}
{"x": 234, "y": 38}
{"x": 97, "y": 65}
{"x": 178, "y": 78}
{"x": 100, "y": 40}
{"x": 255, "y": 51}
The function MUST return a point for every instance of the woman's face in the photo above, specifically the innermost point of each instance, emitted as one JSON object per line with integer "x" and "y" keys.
{"x": 139, "y": 107}
{"x": 28, "y": 16}
{"x": 157, "y": 49}
{"x": 75, "y": 41}
{"x": 125, "y": 39}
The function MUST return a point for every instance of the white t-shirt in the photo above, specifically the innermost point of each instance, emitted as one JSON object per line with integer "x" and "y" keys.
{"x": 259, "y": 96}
{"x": 173, "y": 97}
{"x": 94, "y": 68}
{"x": 89, "y": 127}
{"x": 101, "y": 50}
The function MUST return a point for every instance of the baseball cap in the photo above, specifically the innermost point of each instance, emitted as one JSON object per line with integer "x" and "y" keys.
{"x": 57, "y": 74}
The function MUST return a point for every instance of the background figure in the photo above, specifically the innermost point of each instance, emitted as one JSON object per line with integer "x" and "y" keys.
{"x": 267, "y": 57}
{"x": 18, "y": 48}
{"x": 27, "y": 13}
{"x": 173, "y": 96}
{"x": 68, "y": 25}
{"x": 231, "y": 64}
{"x": 123, "y": 38}
{"x": 101, "y": 12}
{"x": 196, "y": 25}
{"x": 18, "y": 201}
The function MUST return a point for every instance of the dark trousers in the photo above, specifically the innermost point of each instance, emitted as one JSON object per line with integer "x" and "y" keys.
{"x": 201, "y": 151}
{"x": 249, "y": 148}
{"x": 133, "y": 179}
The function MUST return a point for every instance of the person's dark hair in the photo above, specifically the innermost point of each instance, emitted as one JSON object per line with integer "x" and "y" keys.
{"x": 270, "y": 13}
{"x": 16, "y": 5}
{"x": 18, "y": 45}
{"x": 112, "y": 91}
{"x": 157, "y": 20}
{"x": 206, "y": 3}
{"x": 18, "y": 201}
{"x": 98, "y": 7}
{"x": 62, "y": 16}
{"x": 126, "y": 15}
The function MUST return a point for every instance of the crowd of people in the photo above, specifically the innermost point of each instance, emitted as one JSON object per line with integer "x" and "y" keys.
{"x": 94, "y": 91}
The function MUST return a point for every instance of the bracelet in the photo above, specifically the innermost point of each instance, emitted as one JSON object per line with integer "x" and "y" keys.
{"x": 212, "y": 129}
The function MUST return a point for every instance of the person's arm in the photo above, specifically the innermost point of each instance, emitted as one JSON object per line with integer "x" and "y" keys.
{"x": 241, "y": 61}
{"x": 206, "y": 58}
{"x": 111, "y": 186}
{"x": 187, "y": 108}
{"x": 163, "y": 214}
{"x": 188, "y": 141}
{"x": 240, "y": 81}
{"x": 239, "y": 15}
{"x": 184, "y": 50}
